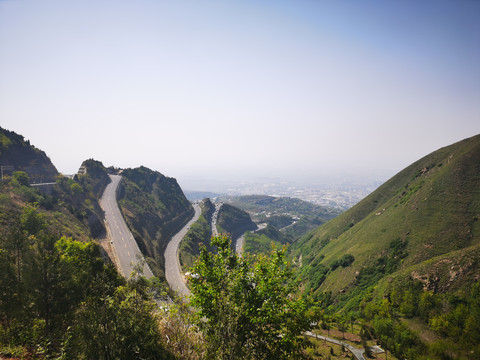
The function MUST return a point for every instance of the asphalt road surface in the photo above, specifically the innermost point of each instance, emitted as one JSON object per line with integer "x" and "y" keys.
{"x": 172, "y": 263}
{"x": 358, "y": 353}
{"x": 214, "y": 219}
{"x": 125, "y": 248}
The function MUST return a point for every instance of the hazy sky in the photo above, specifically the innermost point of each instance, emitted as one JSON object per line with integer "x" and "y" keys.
{"x": 264, "y": 87}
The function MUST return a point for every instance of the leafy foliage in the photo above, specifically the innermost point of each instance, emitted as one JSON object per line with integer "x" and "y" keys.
{"x": 345, "y": 261}
{"x": 115, "y": 325}
{"x": 58, "y": 298}
{"x": 248, "y": 307}
{"x": 453, "y": 318}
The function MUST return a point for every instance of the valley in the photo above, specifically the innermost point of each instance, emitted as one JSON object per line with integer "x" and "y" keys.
{"x": 396, "y": 275}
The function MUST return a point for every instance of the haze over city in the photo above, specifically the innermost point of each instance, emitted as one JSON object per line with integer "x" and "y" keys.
{"x": 294, "y": 89}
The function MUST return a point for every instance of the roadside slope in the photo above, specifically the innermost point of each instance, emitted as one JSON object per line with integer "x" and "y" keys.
{"x": 172, "y": 264}
{"x": 429, "y": 209}
{"x": 126, "y": 250}
{"x": 154, "y": 208}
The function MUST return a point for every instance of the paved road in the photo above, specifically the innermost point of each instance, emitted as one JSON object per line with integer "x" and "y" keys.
{"x": 239, "y": 245}
{"x": 241, "y": 240}
{"x": 214, "y": 219}
{"x": 358, "y": 353}
{"x": 172, "y": 263}
{"x": 238, "y": 242}
{"x": 125, "y": 248}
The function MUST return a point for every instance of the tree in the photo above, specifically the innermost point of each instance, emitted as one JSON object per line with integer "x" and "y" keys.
{"x": 76, "y": 188}
{"x": 115, "y": 323}
{"x": 32, "y": 221}
{"x": 21, "y": 177}
{"x": 249, "y": 307}
{"x": 343, "y": 323}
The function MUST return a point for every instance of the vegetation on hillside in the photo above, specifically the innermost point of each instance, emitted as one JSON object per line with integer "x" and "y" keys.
{"x": 292, "y": 217}
{"x": 58, "y": 299}
{"x": 420, "y": 227}
{"x": 264, "y": 204}
{"x": 70, "y": 205}
{"x": 199, "y": 233}
{"x": 95, "y": 178}
{"x": 16, "y": 154}
{"x": 154, "y": 208}
{"x": 249, "y": 307}
{"x": 260, "y": 241}
{"x": 400, "y": 269}
{"x": 234, "y": 221}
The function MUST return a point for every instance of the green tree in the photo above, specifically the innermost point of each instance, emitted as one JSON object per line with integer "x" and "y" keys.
{"x": 118, "y": 323}
{"x": 249, "y": 307}
{"x": 426, "y": 304}
{"x": 76, "y": 188}
{"x": 472, "y": 322}
{"x": 342, "y": 324}
{"x": 21, "y": 177}
{"x": 43, "y": 280}
{"x": 409, "y": 305}
{"x": 32, "y": 220}
{"x": 47, "y": 283}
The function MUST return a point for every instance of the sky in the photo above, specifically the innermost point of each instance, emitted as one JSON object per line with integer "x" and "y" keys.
{"x": 246, "y": 88}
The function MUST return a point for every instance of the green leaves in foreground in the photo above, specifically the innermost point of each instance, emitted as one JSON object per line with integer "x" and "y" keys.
{"x": 249, "y": 307}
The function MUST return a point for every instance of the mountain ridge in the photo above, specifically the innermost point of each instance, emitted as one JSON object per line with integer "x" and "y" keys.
{"x": 155, "y": 208}
{"x": 409, "y": 250}
{"x": 17, "y": 154}
{"x": 412, "y": 190}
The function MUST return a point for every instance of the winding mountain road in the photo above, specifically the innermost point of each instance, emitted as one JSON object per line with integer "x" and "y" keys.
{"x": 358, "y": 353}
{"x": 125, "y": 248}
{"x": 214, "y": 219}
{"x": 172, "y": 262}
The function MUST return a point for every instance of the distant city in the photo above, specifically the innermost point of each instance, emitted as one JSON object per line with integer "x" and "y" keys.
{"x": 342, "y": 194}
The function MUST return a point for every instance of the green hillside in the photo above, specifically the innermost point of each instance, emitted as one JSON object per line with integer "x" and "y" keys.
{"x": 59, "y": 298}
{"x": 199, "y": 233}
{"x": 431, "y": 208}
{"x": 154, "y": 208}
{"x": 294, "y": 217}
{"x": 234, "y": 221}
{"x": 260, "y": 241}
{"x": 17, "y": 154}
{"x": 69, "y": 206}
{"x": 264, "y": 204}
{"x": 419, "y": 230}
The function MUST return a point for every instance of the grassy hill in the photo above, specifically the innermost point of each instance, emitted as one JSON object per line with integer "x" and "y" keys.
{"x": 69, "y": 206}
{"x": 154, "y": 208}
{"x": 199, "y": 233}
{"x": 264, "y": 204}
{"x": 234, "y": 221}
{"x": 260, "y": 241}
{"x": 418, "y": 233}
{"x": 431, "y": 208}
{"x": 17, "y": 154}
{"x": 294, "y": 217}
{"x": 54, "y": 280}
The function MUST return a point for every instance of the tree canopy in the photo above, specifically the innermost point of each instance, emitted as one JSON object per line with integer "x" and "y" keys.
{"x": 249, "y": 307}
